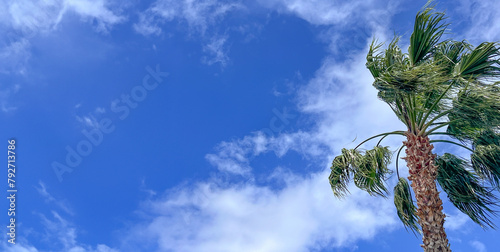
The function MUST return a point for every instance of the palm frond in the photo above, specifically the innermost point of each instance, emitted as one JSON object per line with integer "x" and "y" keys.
{"x": 373, "y": 62}
{"x": 448, "y": 54}
{"x": 465, "y": 191}
{"x": 486, "y": 162}
{"x": 341, "y": 172}
{"x": 475, "y": 109}
{"x": 369, "y": 171}
{"x": 481, "y": 62}
{"x": 487, "y": 137}
{"x": 404, "y": 205}
{"x": 394, "y": 57}
{"x": 427, "y": 32}
{"x": 372, "y": 171}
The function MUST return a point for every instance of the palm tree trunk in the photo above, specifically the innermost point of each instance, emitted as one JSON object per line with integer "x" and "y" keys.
{"x": 423, "y": 172}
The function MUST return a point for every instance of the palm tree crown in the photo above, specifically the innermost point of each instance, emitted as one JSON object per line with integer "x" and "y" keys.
{"x": 442, "y": 88}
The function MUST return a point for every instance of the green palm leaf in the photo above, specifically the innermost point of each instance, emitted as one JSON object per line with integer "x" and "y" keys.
{"x": 426, "y": 34}
{"x": 486, "y": 163}
{"x": 487, "y": 137}
{"x": 373, "y": 62}
{"x": 341, "y": 170}
{"x": 404, "y": 205}
{"x": 369, "y": 171}
{"x": 475, "y": 109}
{"x": 464, "y": 189}
{"x": 372, "y": 171}
{"x": 448, "y": 54}
{"x": 481, "y": 62}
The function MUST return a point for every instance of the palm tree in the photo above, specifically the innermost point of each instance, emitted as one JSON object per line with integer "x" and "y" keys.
{"x": 443, "y": 91}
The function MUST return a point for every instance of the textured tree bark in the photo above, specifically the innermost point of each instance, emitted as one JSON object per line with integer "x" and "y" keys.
{"x": 423, "y": 172}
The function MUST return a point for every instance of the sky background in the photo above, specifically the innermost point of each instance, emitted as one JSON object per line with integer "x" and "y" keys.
{"x": 203, "y": 125}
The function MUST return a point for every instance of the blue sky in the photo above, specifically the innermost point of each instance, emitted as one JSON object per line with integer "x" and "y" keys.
{"x": 204, "y": 125}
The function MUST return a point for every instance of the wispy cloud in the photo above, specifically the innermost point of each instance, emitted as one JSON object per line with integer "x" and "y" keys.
{"x": 483, "y": 18}
{"x": 7, "y": 247}
{"x": 42, "y": 16}
{"x": 62, "y": 204}
{"x": 216, "y": 51}
{"x": 234, "y": 156}
{"x": 88, "y": 121}
{"x": 23, "y": 20}
{"x": 246, "y": 217}
{"x": 343, "y": 103}
{"x": 322, "y": 12}
{"x": 347, "y": 24}
{"x": 455, "y": 221}
{"x": 59, "y": 233}
{"x": 201, "y": 18}
{"x": 62, "y": 234}
{"x": 197, "y": 14}
{"x": 5, "y": 95}
{"x": 479, "y": 246}
{"x": 14, "y": 56}
{"x": 96, "y": 10}
{"x": 56, "y": 230}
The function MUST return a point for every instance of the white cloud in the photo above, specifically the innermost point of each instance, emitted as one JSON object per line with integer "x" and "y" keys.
{"x": 18, "y": 247}
{"x": 484, "y": 18}
{"x": 42, "y": 190}
{"x": 14, "y": 56}
{"x": 303, "y": 216}
{"x": 217, "y": 51}
{"x": 60, "y": 234}
{"x": 346, "y": 106}
{"x": 7, "y": 109}
{"x": 88, "y": 121}
{"x": 200, "y": 16}
{"x": 341, "y": 96}
{"x": 347, "y": 24}
{"x": 56, "y": 231}
{"x": 479, "y": 246}
{"x": 227, "y": 164}
{"x": 41, "y": 16}
{"x": 234, "y": 156}
{"x": 197, "y": 14}
{"x": 59, "y": 230}
{"x": 319, "y": 12}
{"x": 7, "y": 247}
{"x": 34, "y": 16}
{"x": 5, "y": 94}
{"x": 95, "y": 10}
{"x": 21, "y": 21}
{"x": 454, "y": 222}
